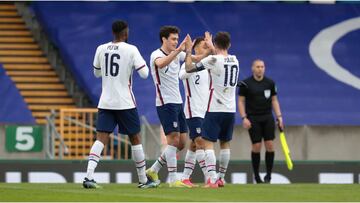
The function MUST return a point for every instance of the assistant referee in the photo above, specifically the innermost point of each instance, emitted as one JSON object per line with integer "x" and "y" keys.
{"x": 257, "y": 98}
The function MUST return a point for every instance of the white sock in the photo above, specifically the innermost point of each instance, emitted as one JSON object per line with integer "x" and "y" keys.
{"x": 94, "y": 157}
{"x": 200, "y": 157}
{"x": 190, "y": 160}
{"x": 140, "y": 163}
{"x": 170, "y": 154}
{"x": 224, "y": 158}
{"x": 159, "y": 163}
{"x": 210, "y": 161}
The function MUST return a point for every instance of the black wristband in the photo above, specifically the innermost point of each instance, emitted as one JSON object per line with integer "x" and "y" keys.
{"x": 199, "y": 66}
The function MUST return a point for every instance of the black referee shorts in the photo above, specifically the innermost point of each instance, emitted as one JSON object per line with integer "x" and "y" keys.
{"x": 262, "y": 127}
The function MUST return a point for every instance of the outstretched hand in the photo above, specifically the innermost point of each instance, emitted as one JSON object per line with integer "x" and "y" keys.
{"x": 181, "y": 47}
{"x": 208, "y": 40}
{"x": 188, "y": 43}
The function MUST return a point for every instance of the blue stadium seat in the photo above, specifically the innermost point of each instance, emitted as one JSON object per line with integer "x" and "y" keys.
{"x": 279, "y": 33}
{"x": 13, "y": 108}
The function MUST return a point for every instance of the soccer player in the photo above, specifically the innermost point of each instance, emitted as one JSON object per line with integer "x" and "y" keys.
{"x": 114, "y": 62}
{"x": 257, "y": 97}
{"x": 165, "y": 66}
{"x": 197, "y": 92}
{"x": 221, "y": 108}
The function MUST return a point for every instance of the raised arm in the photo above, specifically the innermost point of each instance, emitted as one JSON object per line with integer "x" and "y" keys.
{"x": 210, "y": 50}
{"x": 209, "y": 42}
{"x": 189, "y": 66}
{"x": 166, "y": 60}
{"x": 183, "y": 74}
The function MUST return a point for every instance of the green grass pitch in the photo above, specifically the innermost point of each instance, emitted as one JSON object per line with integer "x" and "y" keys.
{"x": 130, "y": 193}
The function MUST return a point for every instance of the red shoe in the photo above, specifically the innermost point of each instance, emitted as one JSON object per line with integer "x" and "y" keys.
{"x": 211, "y": 185}
{"x": 220, "y": 182}
{"x": 189, "y": 183}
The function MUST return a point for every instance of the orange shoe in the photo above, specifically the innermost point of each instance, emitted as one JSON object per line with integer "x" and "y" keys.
{"x": 211, "y": 185}
{"x": 220, "y": 182}
{"x": 189, "y": 183}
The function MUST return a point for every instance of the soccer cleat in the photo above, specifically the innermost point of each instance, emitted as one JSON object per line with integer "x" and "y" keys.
{"x": 267, "y": 178}
{"x": 152, "y": 175}
{"x": 220, "y": 182}
{"x": 211, "y": 185}
{"x": 189, "y": 183}
{"x": 90, "y": 184}
{"x": 178, "y": 183}
{"x": 258, "y": 180}
{"x": 148, "y": 184}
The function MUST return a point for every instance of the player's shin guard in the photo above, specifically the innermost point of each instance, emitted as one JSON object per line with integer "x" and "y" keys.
{"x": 170, "y": 154}
{"x": 210, "y": 161}
{"x": 200, "y": 157}
{"x": 140, "y": 163}
{"x": 224, "y": 158}
{"x": 190, "y": 160}
{"x": 159, "y": 163}
{"x": 94, "y": 157}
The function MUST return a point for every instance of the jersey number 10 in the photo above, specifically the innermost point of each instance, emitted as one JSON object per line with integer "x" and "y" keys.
{"x": 230, "y": 79}
{"x": 114, "y": 67}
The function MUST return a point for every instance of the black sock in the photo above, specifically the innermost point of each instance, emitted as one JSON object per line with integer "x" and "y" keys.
{"x": 269, "y": 160}
{"x": 255, "y": 159}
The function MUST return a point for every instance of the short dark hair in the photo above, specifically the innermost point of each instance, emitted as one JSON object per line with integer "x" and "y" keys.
{"x": 222, "y": 40}
{"x": 119, "y": 26}
{"x": 197, "y": 41}
{"x": 166, "y": 30}
{"x": 257, "y": 60}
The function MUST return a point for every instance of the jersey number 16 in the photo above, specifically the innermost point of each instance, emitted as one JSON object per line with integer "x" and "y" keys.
{"x": 114, "y": 67}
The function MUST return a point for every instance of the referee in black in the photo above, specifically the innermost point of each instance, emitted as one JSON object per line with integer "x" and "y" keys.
{"x": 257, "y": 98}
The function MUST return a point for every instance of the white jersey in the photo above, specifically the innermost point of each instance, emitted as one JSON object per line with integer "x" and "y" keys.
{"x": 117, "y": 62}
{"x": 166, "y": 79}
{"x": 196, "y": 87}
{"x": 223, "y": 80}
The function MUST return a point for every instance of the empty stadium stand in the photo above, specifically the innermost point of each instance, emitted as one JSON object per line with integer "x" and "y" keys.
{"x": 279, "y": 33}
{"x": 27, "y": 66}
{"x": 13, "y": 109}
{"x": 38, "y": 87}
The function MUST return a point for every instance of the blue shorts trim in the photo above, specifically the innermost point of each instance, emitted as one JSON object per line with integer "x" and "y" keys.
{"x": 218, "y": 126}
{"x": 172, "y": 118}
{"x": 195, "y": 127}
{"x": 127, "y": 120}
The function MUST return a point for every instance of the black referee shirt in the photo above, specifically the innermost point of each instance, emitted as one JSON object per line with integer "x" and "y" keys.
{"x": 257, "y": 95}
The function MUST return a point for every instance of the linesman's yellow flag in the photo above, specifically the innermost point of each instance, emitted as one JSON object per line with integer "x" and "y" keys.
{"x": 286, "y": 150}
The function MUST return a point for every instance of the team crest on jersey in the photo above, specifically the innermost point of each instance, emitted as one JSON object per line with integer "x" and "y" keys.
{"x": 267, "y": 94}
{"x": 198, "y": 130}
{"x": 175, "y": 124}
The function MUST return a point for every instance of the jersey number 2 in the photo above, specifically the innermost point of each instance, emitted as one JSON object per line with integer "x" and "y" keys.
{"x": 197, "y": 79}
{"x": 114, "y": 67}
